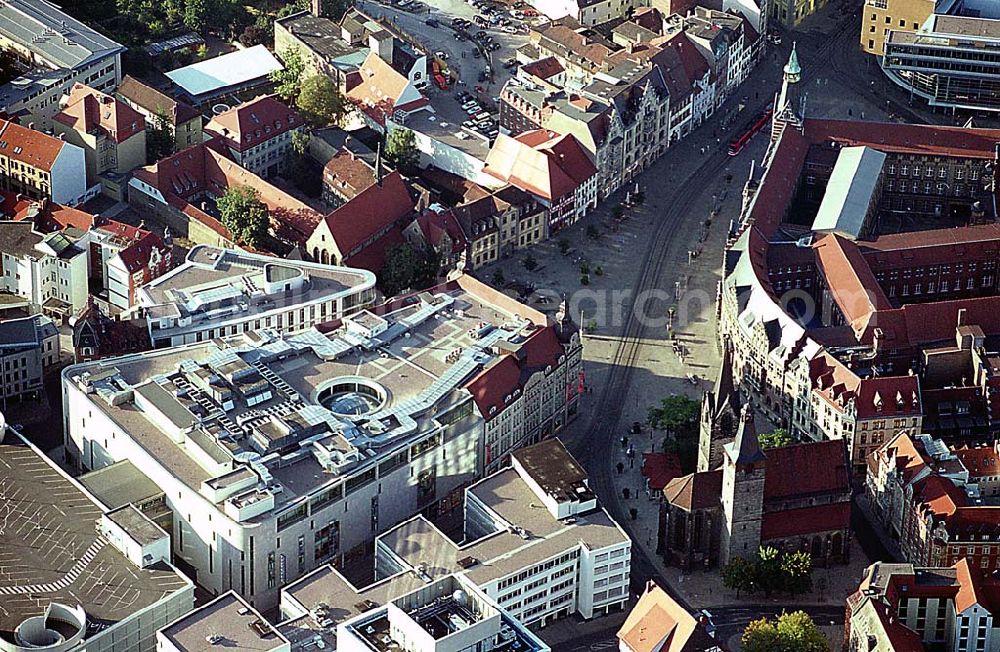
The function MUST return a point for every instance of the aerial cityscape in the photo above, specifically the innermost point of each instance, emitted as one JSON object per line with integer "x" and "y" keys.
{"x": 500, "y": 325}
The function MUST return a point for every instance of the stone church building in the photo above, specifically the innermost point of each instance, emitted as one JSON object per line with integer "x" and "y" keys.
{"x": 741, "y": 497}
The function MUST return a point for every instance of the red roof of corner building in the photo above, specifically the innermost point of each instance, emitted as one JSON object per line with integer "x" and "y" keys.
{"x": 974, "y": 520}
{"x": 47, "y": 215}
{"x": 543, "y": 68}
{"x": 809, "y": 468}
{"x": 378, "y": 87}
{"x": 926, "y": 323}
{"x": 806, "y": 520}
{"x": 657, "y": 623}
{"x": 28, "y": 146}
{"x": 540, "y": 162}
{"x": 88, "y": 110}
{"x": 490, "y": 387}
{"x": 370, "y": 212}
{"x": 254, "y": 122}
{"x": 901, "y": 637}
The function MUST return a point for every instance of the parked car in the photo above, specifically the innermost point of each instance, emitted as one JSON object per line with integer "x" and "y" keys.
{"x": 482, "y": 77}
{"x": 431, "y": 22}
{"x": 441, "y": 54}
{"x": 509, "y": 29}
{"x": 493, "y": 47}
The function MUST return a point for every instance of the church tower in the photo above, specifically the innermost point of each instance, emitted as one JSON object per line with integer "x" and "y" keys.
{"x": 789, "y": 106}
{"x": 719, "y": 415}
{"x": 743, "y": 471}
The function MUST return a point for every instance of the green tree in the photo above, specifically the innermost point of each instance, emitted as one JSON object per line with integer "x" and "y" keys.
{"x": 401, "y": 150}
{"x": 288, "y": 80}
{"x": 407, "y": 268}
{"x": 796, "y": 570}
{"x": 244, "y": 214}
{"x": 320, "y": 102}
{"x": 767, "y": 572}
{"x": 738, "y": 575}
{"x": 195, "y": 14}
{"x": 159, "y": 137}
{"x": 791, "y": 632}
{"x": 676, "y": 414}
{"x": 776, "y": 439}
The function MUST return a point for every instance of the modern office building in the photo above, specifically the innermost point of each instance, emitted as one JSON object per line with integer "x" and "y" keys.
{"x": 535, "y": 542}
{"x": 56, "y": 51}
{"x": 92, "y": 578}
{"x": 278, "y": 453}
{"x": 219, "y": 292}
{"x": 952, "y": 61}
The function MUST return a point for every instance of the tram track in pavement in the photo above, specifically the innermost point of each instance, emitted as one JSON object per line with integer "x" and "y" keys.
{"x": 598, "y": 435}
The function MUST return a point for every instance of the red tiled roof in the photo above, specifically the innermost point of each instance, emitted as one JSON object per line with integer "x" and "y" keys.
{"x": 493, "y": 384}
{"x": 372, "y": 211}
{"x": 910, "y": 138}
{"x": 660, "y": 469}
{"x": 907, "y": 459}
{"x": 348, "y": 174}
{"x": 543, "y": 68}
{"x": 88, "y": 110}
{"x": 46, "y": 215}
{"x": 938, "y": 496}
{"x": 695, "y": 491}
{"x": 805, "y": 521}
{"x": 809, "y": 468}
{"x": 153, "y": 101}
{"x": 372, "y": 257}
{"x": 205, "y": 167}
{"x": 254, "y": 122}
{"x": 979, "y": 460}
{"x": 695, "y": 65}
{"x": 136, "y": 256}
{"x": 28, "y": 146}
{"x": 850, "y": 280}
{"x": 540, "y": 162}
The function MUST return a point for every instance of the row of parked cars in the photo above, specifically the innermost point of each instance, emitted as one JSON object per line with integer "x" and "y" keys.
{"x": 480, "y": 120}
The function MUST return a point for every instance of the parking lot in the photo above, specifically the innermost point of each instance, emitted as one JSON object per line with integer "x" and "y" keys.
{"x": 473, "y": 54}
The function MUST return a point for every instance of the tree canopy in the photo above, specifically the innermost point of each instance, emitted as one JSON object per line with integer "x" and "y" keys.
{"x": 159, "y": 137}
{"x": 407, "y": 268}
{"x": 287, "y": 80}
{"x": 401, "y": 149}
{"x": 244, "y": 214}
{"x": 770, "y": 571}
{"x": 320, "y": 102}
{"x": 776, "y": 439}
{"x": 676, "y": 414}
{"x": 791, "y": 632}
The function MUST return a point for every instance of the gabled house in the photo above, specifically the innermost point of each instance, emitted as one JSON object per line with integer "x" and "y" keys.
{"x": 358, "y": 233}
{"x": 554, "y": 169}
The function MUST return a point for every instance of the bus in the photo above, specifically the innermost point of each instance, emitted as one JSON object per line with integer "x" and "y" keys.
{"x": 736, "y": 146}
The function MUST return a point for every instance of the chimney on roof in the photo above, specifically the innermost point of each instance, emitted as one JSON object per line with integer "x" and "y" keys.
{"x": 877, "y": 339}
{"x": 316, "y": 8}
{"x": 380, "y": 43}
{"x": 961, "y": 317}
